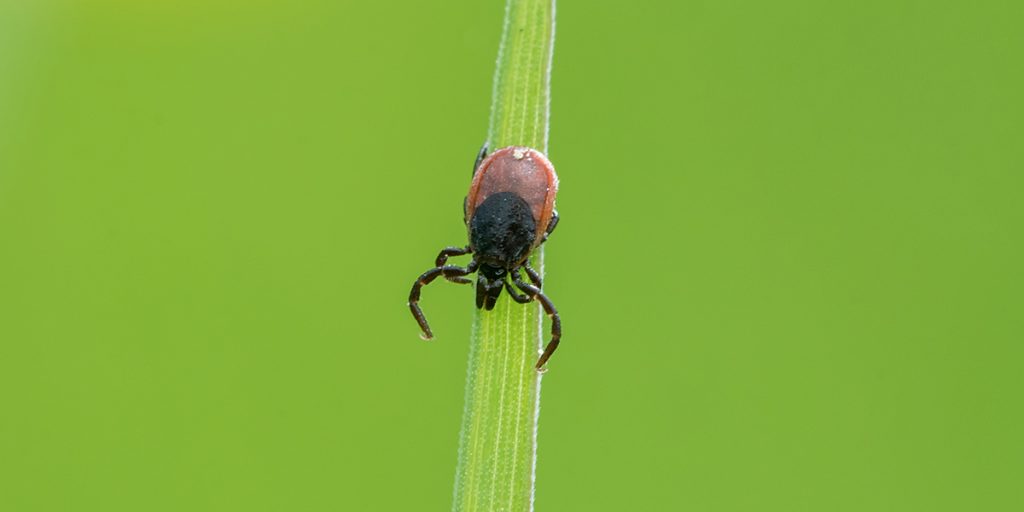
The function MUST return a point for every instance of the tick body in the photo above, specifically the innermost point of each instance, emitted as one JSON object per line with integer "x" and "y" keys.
{"x": 509, "y": 211}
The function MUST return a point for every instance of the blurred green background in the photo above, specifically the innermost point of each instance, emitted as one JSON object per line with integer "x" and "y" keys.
{"x": 789, "y": 263}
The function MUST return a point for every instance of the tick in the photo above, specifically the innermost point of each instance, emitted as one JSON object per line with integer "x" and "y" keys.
{"x": 509, "y": 211}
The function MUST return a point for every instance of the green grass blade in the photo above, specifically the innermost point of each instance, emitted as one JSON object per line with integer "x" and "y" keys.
{"x": 497, "y": 444}
{"x": 522, "y": 80}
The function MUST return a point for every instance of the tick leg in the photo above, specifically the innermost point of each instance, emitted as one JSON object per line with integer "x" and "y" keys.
{"x": 448, "y": 271}
{"x": 516, "y": 296}
{"x": 480, "y": 157}
{"x": 447, "y": 252}
{"x": 549, "y": 308}
{"x": 534, "y": 276}
{"x": 442, "y": 258}
{"x": 551, "y": 224}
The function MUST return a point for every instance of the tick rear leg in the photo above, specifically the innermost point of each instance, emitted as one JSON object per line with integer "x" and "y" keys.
{"x": 442, "y": 258}
{"x": 549, "y": 308}
{"x": 448, "y": 271}
{"x": 480, "y": 157}
{"x": 551, "y": 224}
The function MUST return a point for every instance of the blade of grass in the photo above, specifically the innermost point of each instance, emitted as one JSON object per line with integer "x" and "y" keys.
{"x": 498, "y": 441}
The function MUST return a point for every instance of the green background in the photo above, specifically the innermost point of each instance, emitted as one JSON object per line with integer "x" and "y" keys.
{"x": 789, "y": 262}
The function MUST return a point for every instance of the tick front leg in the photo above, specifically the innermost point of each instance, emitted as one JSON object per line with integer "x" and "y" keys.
{"x": 534, "y": 276}
{"x": 549, "y": 308}
{"x": 442, "y": 258}
{"x": 447, "y": 252}
{"x": 448, "y": 271}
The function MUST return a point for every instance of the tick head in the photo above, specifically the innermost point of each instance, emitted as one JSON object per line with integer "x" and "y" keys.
{"x": 493, "y": 272}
